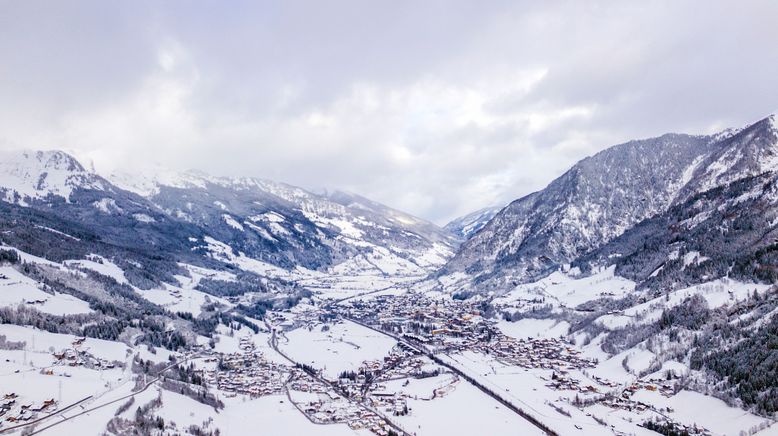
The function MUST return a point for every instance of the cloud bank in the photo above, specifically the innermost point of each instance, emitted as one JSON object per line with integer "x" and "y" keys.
{"x": 436, "y": 108}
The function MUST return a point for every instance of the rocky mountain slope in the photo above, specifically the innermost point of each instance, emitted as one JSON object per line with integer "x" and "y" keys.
{"x": 728, "y": 231}
{"x": 680, "y": 283}
{"x": 288, "y": 226}
{"x": 604, "y": 196}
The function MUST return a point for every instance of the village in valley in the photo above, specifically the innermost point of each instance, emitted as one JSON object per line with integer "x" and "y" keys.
{"x": 441, "y": 327}
{"x": 389, "y": 361}
{"x": 422, "y": 362}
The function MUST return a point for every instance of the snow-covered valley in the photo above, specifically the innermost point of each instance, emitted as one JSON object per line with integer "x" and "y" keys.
{"x": 182, "y": 303}
{"x": 363, "y": 354}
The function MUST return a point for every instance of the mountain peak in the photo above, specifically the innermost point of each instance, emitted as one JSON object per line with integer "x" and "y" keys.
{"x": 773, "y": 120}
{"x": 749, "y": 151}
{"x": 27, "y": 174}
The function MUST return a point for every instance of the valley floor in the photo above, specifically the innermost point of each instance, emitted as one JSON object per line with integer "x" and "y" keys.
{"x": 365, "y": 354}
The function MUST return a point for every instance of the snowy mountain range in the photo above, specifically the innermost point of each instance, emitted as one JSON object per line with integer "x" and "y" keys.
{"x": 604, "y": 196}
{"x": 248, "y": 223}
{"x": 232, "y": 221}
{"x": 637, "y": 283}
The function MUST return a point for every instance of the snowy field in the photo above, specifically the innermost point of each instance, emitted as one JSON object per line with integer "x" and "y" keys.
{"x": 185, "y": 298}
{"x": 342, "y": 348}
{"x": 274, "y": 415}
{"x": 565, "y": 290}
{"x": 343, "y": 285}
{"x": 527, "y": 390}
{"x": 423, "y": 388}
{"x": 694, "y": 408}
{"x": 16, "y": 289}
{"x": 33, "y": 374}
{"x": 101, "y": 265}
{"x": 339, "y": 287}
{"x": 536, "y": 328}
{"x": 463, "y": 411}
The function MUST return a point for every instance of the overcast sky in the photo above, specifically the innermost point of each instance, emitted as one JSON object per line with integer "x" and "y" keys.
{"x": 435, "y": 108}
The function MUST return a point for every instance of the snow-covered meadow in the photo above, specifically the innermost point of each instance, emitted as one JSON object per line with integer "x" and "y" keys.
{"x": 336, "y": 347}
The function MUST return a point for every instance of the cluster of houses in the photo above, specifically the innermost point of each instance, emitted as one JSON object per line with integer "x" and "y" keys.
{"x": 330, "y": 408}
{"x": 430, "y": 325}
{"x": 664, "y": 387}
{"x": 546, "y": 353}
{"x": 624, "y": 400}
{"x": 365, "y": 419}
{"x": 561, "y": 381}
{"x": 440, "y": 325}
{"x": 668, "y": 426}
{"x": 604, "y": 382}
{"x": 621, "y": 403}
{"x": 246, "y": 372}
{"x": 12, "y": 411}
{"x": 453, "y": 326}
{"x": 76, "y": 356}
{"x": 356, "y": 385}
{"x": 368, "y": 383}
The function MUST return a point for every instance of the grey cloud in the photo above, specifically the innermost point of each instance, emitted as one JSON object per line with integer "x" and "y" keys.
{"x": 438, "y": 108}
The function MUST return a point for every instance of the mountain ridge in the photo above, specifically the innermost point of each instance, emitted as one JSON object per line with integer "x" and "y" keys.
{"x": 603, "y": 196}
{"x": 229, "y": 221}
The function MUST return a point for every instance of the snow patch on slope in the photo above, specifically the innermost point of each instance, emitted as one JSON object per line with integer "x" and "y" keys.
{"x": 232, "y": 222}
